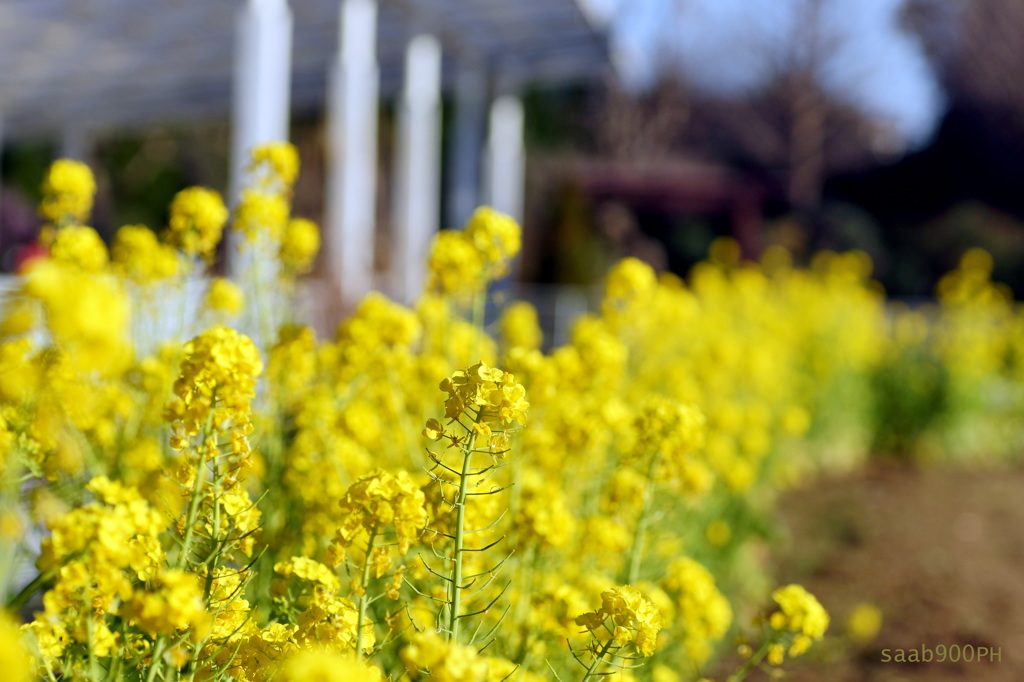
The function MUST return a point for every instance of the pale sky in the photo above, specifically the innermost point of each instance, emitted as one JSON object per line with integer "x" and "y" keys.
{"x": 729, "y": 46}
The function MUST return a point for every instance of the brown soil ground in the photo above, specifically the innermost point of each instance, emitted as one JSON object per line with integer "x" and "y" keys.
{"x": 940, "y": 551}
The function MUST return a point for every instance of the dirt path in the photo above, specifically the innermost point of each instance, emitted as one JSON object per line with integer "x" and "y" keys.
{"x": 941, "y": 553}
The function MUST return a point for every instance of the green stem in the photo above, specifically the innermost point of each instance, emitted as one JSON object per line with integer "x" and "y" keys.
{"x": 460, "y": 522}
{"x": 89, "y": 633}
{"x": 155, "y": 658}
{"x": 752, "y": 662}
{"x": 193, "y": 510}
{"x": 525, "y": 573}
{"x": 18, "y": 600}
{"x": 114, "y": 672}
{"x": 364, "y": 600}
{"x": 211, "y": 562}
{"x": 598, "y": 660}
{"x": 636, "y": 551}
{"x": 196, "y": 497}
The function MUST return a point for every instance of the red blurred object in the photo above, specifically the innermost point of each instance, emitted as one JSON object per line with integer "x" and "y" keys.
{"x": 27, "y": 254}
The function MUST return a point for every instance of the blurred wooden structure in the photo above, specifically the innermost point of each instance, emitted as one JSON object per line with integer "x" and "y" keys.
{"x": 71, "y": 69}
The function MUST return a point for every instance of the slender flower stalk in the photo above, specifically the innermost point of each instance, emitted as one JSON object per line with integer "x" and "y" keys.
{"x": 455, "y": 587}
{"x": 490, "y": 400}
{"x": 595, "y": 667}
{"x": 364, "y": 598}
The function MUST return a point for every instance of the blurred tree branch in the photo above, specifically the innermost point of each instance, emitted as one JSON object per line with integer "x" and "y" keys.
{"x": 978, "y": 49}
{"x": 790, "y": 126}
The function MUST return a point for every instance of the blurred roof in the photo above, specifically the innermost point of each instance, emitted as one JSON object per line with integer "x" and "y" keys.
{"x": 688, "y": 184}
{"x": 100, "y": 63}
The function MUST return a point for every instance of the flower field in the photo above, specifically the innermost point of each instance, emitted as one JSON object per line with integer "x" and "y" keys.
{"x": 429, "y": 494}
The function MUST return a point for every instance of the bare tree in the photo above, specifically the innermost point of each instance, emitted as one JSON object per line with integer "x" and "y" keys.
{"x": 978, "y": 47}
{"x": 792, "y": 125}
{"x": 647, "y": 125}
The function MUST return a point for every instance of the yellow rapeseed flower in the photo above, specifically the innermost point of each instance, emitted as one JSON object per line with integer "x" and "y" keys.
{"x": 703, "y": 610}
{"x": 261, "y": 212}
{"x": 299, "y": 245}
{"x": 218, "y": 375}
{"x": 139, "y": 255}
{"x": 520, "y": 327}
{"x": 799, "y": 613}
{"x": 81, "y": 247}
{"x": 455, "y": 265}
{"x": 279, "y": 159}
{"x": 224, "y": 296}
{"x": 864, "y": 622}
{"x": 429, "y": 656}
{"x": 380, "y": 499}
{"x": 322, "y": 665}
{"x": 174, "y": 602}
{"x": 68, "y": 190}
{"x": 496, "y": 236}
{"x": 631, "y": 617}
{"x": 14, "y": 659}
{"x": 197, "y": 218}
{"x": 491, "y": 394}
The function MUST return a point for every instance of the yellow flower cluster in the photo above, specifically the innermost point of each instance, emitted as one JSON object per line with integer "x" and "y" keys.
{"x": 496, "y": 237}
{"x": 333, "y": 622}
{"x": 520, "y": 327}
{"x": 67, "y": 192}
{"x": 864, "y": 622}
{"x": 429, "y": 656}
{"x": 462, "y": 262}
{"x": 175, "y": 602}
{"x": 15, "y": 661}
{"x": 703, "y": 610}
{"x": 628, "y": 282}
{"x": 265, "y": 205}
{"x": 310, "y": 571}
{"x": 630, "y": 617}
{"x": 279, "y": 159}
{"x": 375, "y": 501}
{"x": 140, "y": 257}
{"x": 299, "y": 245}
{"x": 486, "y": 395}
{"x": 455, "y": 264}
{"x": 197, "y": 217}
{"x": 542, "y": 516}
{"x": 379, "y": 322}
{"x": 217, "y": 381}
{"x": 81, "y": 247}
{"x": 261, "y": 213}
{"x": 95, "y": 551}
{"x": 91, "y": 325}
{"x": 800, "y": 613}
{"x": 224, "y": 296}
{"x": 670, "y": 433}
{"x": 320, "y": 665}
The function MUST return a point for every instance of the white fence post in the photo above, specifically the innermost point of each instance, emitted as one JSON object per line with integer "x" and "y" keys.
{"x": 352, "y": 111}
{"x": 417, "y": 201}
{"x": 262, "y": 90}
{"x": 505, "y": 156}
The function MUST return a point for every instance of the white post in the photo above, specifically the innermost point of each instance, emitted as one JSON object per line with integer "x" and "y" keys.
{"x": 466, "y": 147}
{"x": 417, "y": 202}
{"x": 75, "y": 142}
{"x": 262, "y": 89}
{"x": 505, "y": 156}
{"x": 351, "y": 180}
